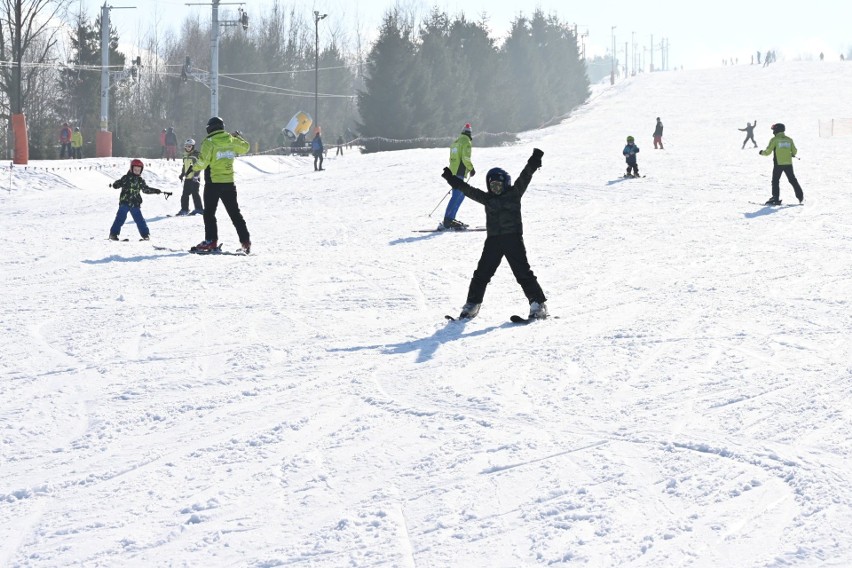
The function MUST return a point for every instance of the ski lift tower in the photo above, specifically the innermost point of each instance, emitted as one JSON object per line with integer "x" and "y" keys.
{"x": 103, "y": 139}
{"x": 211, "y": 79}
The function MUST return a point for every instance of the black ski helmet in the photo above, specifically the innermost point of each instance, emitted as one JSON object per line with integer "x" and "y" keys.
{"x": 215, "y": 124}
{"x": 777, "y": 127}
{"x": 498, "y": 180}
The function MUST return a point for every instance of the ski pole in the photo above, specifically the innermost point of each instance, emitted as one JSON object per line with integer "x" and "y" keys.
{"x": 439, "y": 203}
{"x": 166, "y": 193}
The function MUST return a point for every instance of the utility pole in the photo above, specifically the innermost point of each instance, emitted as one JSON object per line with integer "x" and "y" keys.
{"x": 652, "y": 53}
{"x": 612, "y": 73}
{"x": 317, "y": 18}
{"x": 212, "y": 78}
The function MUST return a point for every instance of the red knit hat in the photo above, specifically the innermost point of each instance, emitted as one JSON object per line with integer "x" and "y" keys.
{"x": 466, "y": 129}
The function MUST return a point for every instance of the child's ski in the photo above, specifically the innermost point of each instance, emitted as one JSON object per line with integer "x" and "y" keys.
{"x": 468, "y": 230}
{"x": 779, "y": 204}
{"x": 217, "y": 251}
{"x": 525, "y": 321}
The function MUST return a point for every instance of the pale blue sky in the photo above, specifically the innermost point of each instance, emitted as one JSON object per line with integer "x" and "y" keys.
{"x": 699, "y": 34}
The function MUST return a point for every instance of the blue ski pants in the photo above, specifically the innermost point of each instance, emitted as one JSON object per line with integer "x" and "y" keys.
{"x": 121, "y": 217}
{"x": 455, "y": 202}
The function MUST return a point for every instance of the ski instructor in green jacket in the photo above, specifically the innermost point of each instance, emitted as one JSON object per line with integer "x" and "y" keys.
{"x": 783, "y": 151}
{"x": 216, "y": 160}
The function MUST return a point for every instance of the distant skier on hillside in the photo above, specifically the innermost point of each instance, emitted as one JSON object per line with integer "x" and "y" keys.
{"x": 629, "y": 153}
{"x": 658, "y": 135}
{"x": 749, "y": 130}
{"x": 317, "y": 149}
{"x": 460, "y": 165}
{"x": 505, "y": 228}
{"x": 783, "y": 151}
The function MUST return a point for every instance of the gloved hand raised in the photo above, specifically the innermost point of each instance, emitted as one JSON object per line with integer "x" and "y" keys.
{"x": 472, "y": 172}
{"x": 535, "y": 159}
{"x": 451, "y": 179}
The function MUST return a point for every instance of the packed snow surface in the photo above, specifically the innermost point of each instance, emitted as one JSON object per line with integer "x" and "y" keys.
{"x": 308, "y": 405}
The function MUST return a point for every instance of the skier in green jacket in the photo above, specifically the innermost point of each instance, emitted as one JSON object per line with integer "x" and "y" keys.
{"x": 783, "y": 150}
{"x": 216, "y": 160}
{"x": 460, "y": 165}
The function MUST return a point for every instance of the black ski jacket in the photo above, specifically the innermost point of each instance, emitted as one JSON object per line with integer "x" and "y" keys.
{"x": 502, "y": 212}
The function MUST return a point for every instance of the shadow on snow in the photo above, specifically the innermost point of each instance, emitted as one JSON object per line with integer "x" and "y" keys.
{"x": 427, "y": 346}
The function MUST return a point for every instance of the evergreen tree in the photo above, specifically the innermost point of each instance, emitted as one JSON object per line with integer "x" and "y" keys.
{"x": 474, "y": 78}
{"x": 383, "y": 104}
{"x": 337, "y": 83}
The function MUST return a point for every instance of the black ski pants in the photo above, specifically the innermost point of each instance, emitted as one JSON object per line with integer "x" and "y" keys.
{"x": 512, "y": 247}
{"x": 791, "y": 177}
{"x": 190, "y": 187}
{"x": 227, "y": 192}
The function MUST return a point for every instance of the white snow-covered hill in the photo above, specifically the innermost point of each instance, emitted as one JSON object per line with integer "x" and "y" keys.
{"x": 309, "y": 406}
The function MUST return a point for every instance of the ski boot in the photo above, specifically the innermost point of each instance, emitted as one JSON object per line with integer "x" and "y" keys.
{"x": 146, "y": 237}
{"x": 246, "y": 246}
{"x": 538, "y": 310}
{"x": 182, "y": 213}
{"x": 453, "y": 225}
{"x": 469, "y": 311}
{"x": 206, "y": 246}
{"x": 773, "y": 201}
{"x": 197, "y": 212}
{"x": 113, "y": 237}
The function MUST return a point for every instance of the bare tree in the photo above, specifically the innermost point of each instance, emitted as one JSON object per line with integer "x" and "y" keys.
{"x": 29, "y": 31}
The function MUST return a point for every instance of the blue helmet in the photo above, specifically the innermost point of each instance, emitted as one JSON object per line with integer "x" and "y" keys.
{"x": 498, "y": 181}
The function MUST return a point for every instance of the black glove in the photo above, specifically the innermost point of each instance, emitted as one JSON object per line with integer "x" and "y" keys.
{"x": 472, "y": 172}
{"x": 180, "y": 177}
{"x": 116, "y": 184}
{"x": 451, "y": 179}
{"x": 535, "y": 159}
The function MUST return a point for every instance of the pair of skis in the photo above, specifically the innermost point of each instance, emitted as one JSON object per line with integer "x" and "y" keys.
{"x": 779, "y": 204}
{"x": 513, "y": 319}
{"x": 218, "y": 250}
{"x": 468, "y": 230}
{"x": 194, "y": 250}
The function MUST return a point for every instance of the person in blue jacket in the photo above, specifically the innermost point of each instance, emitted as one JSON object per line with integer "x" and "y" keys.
{"x": 630, "y": 152}
{"x": 317, "y": 150}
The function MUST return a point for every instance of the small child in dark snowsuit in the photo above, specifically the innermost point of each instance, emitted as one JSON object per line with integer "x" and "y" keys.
{"x": 505, "y": 229}
{"x": 749, "y": 130}
{"x": 132, "y": 187}
{"x": 630, "y": 152}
